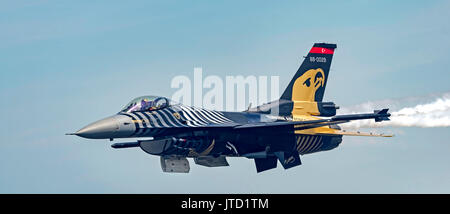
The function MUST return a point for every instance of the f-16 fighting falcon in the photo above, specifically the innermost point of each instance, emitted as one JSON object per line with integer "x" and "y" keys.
{"x": 298, "y": 123}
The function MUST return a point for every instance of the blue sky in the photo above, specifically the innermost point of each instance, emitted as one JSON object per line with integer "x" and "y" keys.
{"x": 64, "y": 64}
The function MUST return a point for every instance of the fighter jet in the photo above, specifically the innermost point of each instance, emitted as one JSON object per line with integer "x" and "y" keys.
{"x": 298, "y": 123}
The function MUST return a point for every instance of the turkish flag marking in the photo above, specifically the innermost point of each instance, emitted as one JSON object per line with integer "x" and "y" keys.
{"x": 320, "y": 50}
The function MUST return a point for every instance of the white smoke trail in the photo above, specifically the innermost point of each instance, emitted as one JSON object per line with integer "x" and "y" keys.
{"x": 435, "y": 113}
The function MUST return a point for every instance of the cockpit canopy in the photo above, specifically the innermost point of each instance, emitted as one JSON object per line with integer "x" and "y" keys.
{"x": 146, "y": 103}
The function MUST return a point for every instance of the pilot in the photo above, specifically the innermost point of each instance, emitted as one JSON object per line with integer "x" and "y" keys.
{"x": 160, "y": 103}
{"x": 151, "y": 106}
{"x": 144, "y": 104}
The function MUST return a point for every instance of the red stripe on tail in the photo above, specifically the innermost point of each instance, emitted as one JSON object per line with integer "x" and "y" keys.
{"x": 320, "y": 50}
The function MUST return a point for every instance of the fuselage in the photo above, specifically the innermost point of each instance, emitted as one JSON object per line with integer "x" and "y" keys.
{"x": 200, "y": 132}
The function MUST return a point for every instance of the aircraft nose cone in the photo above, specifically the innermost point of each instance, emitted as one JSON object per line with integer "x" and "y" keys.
{"x": 101, "y": 129}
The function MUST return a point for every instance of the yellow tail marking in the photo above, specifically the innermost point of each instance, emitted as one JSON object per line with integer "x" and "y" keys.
{"x": 304, "y": 92}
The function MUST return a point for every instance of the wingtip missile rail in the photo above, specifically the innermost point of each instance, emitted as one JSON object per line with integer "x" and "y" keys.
{"x": 378, "y": 115}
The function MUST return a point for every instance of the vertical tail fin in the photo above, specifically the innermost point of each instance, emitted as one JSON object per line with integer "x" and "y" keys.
{"x": 310, "y": 80}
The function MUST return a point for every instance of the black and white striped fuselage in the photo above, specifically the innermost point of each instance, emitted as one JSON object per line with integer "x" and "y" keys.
{"x": 178, "y": 120}
{"x": 173, "y": 118}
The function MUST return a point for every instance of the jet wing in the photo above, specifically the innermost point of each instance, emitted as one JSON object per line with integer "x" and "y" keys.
{"x": 296, "y": 125}
{"x": 277, "y": 124}
{"x": 378, "y": 115}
